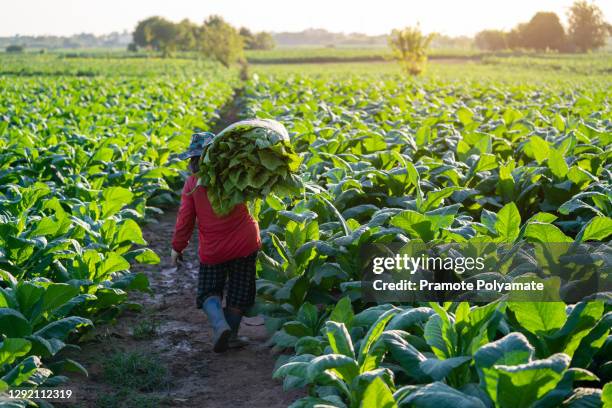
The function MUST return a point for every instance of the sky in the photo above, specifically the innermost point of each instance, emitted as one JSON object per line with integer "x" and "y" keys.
{"x": 450, "y": 17}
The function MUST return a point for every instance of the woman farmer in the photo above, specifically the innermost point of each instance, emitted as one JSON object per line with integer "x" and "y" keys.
{"x": 227, "y": 249}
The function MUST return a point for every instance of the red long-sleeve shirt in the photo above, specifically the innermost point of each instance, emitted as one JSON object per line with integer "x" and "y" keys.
{"x": 221, "y": 238}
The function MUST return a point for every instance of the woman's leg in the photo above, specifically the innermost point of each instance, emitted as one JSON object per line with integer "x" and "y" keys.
{"x": 240, "y": 292}
{"x": 233, "y": 316}
{"x": 211, "y": 280}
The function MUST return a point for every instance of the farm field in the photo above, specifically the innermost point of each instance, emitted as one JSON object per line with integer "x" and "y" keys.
{"x": 475, "y": 152}
{"x": 362, "y": 156}
{"x": 346, "y": 54}
{"x": 281, "y": 55}
{"x": 83, "y": 161}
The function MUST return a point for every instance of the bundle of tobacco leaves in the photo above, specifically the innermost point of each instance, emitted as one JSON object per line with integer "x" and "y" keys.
{"x": 246, "y": 161}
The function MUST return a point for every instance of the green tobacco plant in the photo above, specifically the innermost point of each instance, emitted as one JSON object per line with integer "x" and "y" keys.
{"x": 83, "y": 161}
{"x": 512, "y": 170}
{"x": 346, "y": 372}
{"x": 477, "y": 161}
{"x": 510, "y": 375}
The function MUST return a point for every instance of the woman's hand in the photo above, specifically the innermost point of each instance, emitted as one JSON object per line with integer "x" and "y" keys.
{"x": 176, "y": 258}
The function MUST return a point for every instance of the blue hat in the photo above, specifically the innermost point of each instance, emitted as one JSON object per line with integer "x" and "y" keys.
{"x": 198, "y": 142}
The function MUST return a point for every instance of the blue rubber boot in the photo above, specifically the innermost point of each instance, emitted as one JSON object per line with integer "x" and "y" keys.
{"x": 234, "y": 318}
{"x": 221, "y": 330}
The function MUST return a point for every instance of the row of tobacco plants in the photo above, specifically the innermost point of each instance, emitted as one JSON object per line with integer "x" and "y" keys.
{"x": 385, "y": 160}
{"x": 82, "y": 162}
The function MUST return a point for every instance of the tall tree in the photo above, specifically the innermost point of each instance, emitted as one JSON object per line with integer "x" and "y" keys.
{"x": 157, "y": 33}
{"x": 221, "y": 41}
{"x": 587, "y": 28}
{"x": 262, "y": 41}
{"x": 187, "y": 35}
{"x": 257, "y": 41}
{"x": 164, "y": 36}
{"x": 543, "y": 31}
{"x": 143, "y": 33}
{"x": 247, "y": 37}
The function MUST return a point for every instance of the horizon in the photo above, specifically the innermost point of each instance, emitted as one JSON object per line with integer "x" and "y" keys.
{"x": 126, "y": 31}
{"x": 104, "y": 17}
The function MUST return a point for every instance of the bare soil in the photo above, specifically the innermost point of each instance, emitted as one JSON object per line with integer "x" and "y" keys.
{"x": 182, "y": 342}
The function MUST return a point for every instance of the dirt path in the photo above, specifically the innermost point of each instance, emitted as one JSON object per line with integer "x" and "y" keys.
{"x": 181, "y": 342}
{"x": 175, "y": 334}
{"x": 230, "y": 113}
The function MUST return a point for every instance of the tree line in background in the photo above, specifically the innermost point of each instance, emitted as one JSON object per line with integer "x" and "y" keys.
{"x": 318, "y": 37}
{"x": 215, "y": 38}
{"x": 587, "y": 30}
{"x": 312, "y": 37}
{"x": 76, "y": 41}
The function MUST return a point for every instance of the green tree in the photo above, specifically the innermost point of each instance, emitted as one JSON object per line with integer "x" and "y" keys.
{"x": 247, "y": 37}
{"x": 187, "y": 35}
{"x": 257, "y": 41}
{"x": 409, "y": 47}
{"x": 221, "y": 41}
{"x": 491, "y": 40}
{"x": 142, "y": 36}
{"x": 544, "y": 31}
{"x": 587, "y": 28}
{"x": 157, "y": 33}
{"x": 262, "y": 41}
{"x": 164, "y": 34}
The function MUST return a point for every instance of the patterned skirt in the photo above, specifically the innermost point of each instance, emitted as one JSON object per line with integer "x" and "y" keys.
{"x": 239, "y": 274}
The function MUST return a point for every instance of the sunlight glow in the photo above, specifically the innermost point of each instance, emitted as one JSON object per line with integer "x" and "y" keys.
{"x": 451, "y": 17}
